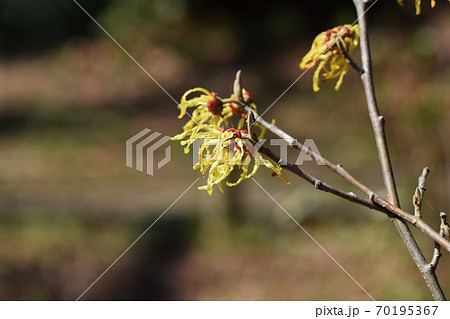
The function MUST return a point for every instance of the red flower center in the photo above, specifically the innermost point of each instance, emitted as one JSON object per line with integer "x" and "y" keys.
{"x": 215, "y": 106}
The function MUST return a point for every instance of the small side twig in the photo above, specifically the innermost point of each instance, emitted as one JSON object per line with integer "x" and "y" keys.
{"x": 237, "y": 86}
{"x": 419, "y": 193}
{"x": 444, "y": 228}
{"x": 352, "y": 63}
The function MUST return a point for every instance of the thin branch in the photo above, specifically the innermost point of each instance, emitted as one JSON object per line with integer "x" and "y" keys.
{"x": 353, "y": 63}
{"x": 419, "y": 193}
{"x": 318, "y": 184}
{"x": 383, "y": 153}
{"x": 375, "y": 117}
{"x": 437, "y": 248}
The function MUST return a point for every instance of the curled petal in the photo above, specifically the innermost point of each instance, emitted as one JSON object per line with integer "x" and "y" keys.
{"x": 329, "y": 48}
{"x": 418, "y": 5}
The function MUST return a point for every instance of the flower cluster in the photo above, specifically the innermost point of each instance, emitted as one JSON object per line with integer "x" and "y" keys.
{"x": 418, "y": 4}
{"x": 330, "y": 50}
{"x": 225, "y": 145}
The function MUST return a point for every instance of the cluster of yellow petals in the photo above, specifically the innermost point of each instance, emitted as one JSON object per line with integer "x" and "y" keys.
{"x": 327, "y": 51}
{"x": 418, "y": 3}
{"x": 207, "y": 109}
{"x": 223, "y": 148}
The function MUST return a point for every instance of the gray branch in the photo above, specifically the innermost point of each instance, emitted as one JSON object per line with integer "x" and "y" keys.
{"x": 388, "y": 176}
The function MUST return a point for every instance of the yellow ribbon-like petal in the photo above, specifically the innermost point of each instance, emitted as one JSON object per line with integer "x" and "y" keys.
{"x": 327, "y": 53}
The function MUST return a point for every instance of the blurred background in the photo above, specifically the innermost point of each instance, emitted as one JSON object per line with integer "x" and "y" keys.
{"x": 70, "y": 98}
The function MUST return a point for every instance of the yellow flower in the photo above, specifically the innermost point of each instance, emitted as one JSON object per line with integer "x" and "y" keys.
{"x": 329, "y": 48}
{"x": 417, "y": 4}
{"x": 225, "y": 144}
{"x": 224, "y": 150}
{"x": 208, "y": 109}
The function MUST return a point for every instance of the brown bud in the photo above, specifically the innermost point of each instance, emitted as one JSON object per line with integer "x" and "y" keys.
{"x": 248, "y": 98}
{"x": 237, "y": 87}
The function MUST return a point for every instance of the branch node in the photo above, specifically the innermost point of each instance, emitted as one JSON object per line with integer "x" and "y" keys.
{"x": 294, "y": 143}
{"x": 317, "y": 184}
{"x": 282, "y": 163}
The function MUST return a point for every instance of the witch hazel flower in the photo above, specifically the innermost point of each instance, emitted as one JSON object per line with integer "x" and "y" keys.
{"x": 329, "y": 52}
{"x": 208, "y": 108}
{"x": 224, "y": 150}
{"x": 225, "y": 145}
{"x": 418, "y": 3}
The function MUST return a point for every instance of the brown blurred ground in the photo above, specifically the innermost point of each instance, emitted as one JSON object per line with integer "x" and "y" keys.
{"x": 70, "y": 98}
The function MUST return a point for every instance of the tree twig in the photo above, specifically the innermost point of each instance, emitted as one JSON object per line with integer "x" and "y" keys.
{"x": 388, "y": 176}
{"x": 419, "y": 193}
{"x": 353, "y": 63}
{"x": 437, "y": 248}
{"x": 318, "y": 184}
{"x": 381, "y": 204}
